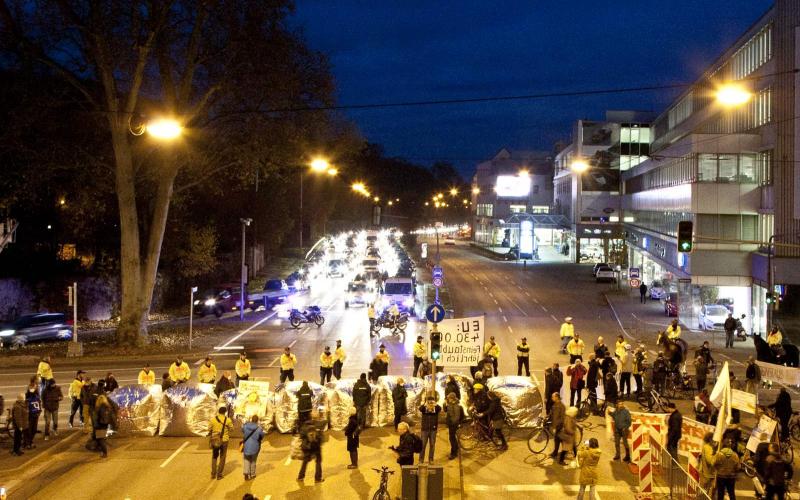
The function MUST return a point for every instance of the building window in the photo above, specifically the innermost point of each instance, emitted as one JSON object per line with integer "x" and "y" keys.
{"x": 764, "y": 161}
{"x": 753, "y": 54}
{"x": 517, "y": 209}
{"x": 485, "y": 209}
{"x": 707, "y": 168}
{"x": 681, "y": 111}
{"x": 747, "y": 168}
{"x": 540, "y": 209}
{"x": 727, "y": 169}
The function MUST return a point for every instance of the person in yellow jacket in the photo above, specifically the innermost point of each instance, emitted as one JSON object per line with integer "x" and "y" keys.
{"x": 567, "y": 332}
{"x": 219, "y": 433}
{"x": 242, "y": 368}
{"x": 326, "y": 360}
{"x": 75, "y": 396}
{"x": 383, "y": 355}
{"x": 575, "y": 348}
{"x": 179, "y": 371}
{"x": 338, "y": 356}
{"x": 674, "y": 330}
{"x": 775, "y": 337}
{"x": 288, "y": 362}
{"x": 371, "y": 316}
{"x": 147, "y": 376}
{"x": 45, "y": 373}
{"x": 207, "y": 373}
{"x": 492, "y": 349}
{"x": 420, "y": 350}
{"x": 523, "y": 357}
{"x": 619, "y": 347}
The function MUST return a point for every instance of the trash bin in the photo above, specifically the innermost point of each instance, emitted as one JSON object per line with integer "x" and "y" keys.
{"x": 410, "y": 480}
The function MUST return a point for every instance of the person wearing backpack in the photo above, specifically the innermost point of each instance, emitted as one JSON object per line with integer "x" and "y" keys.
{"x": 311, "y": 439}
{"x": 34, "y": 410}
{"x": 219, "y": 433}
{"x": 455, "y": 415}
{"x": 251, "y": 446}
{"x": 430, "y": 423}
{"x": 409, "y": 444}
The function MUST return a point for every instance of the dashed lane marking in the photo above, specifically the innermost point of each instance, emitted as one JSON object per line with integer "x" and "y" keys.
{"x": 500, "y": 309}
{"x": 543, "y": 308}
{"x": 554, "y": 318}
{"x": 491, "y": 295}
{"x": 174, "y": 454}
{"x": 528, "y": 294}
{"x": 495, "y": 302}
{"x": 510, "y": 330}
{"x": 505, "y": 319}
{"x": 287, "y": 461}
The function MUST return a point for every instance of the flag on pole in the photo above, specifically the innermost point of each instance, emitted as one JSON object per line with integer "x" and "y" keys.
{"x": 721, "y": 397}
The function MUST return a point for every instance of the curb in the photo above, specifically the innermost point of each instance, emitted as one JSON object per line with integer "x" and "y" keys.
{"x": 28, "y": 361}
{"x": 56, "y": 448}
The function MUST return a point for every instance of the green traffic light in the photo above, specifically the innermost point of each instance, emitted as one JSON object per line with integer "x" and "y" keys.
{"x": 435, "y": 355}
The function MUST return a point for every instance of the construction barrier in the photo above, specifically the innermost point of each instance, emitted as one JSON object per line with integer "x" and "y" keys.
{"x": 645, "y": 465}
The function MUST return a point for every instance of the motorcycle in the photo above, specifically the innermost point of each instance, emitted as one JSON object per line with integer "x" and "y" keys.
{"x": 310, "y": 315}
{"x": 741, "y": 333}
{"x": 386, "y": 320}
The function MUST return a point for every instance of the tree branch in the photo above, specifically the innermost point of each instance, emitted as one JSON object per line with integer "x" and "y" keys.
{"x": 192, "y": 51}
{"x": 204, "y": 177}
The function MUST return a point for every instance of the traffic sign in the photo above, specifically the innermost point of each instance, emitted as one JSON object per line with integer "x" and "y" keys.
{"x": 633, "y": 273}
{"x": 437, "y": 282}
{"x": 438, "y": 272}
{"x": 635, "y": 283}
{"x": 434, "y": 313}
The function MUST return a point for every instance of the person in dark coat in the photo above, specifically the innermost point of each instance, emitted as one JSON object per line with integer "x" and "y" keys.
{"x": 610, "y": 389}
{"x": 224, "y": 383}
{"x": 399, "y": 396}
{"x": 591, "y": 379}
{"x": 88, "y": 392}
{"x": 311, "y": 436}
{"x": 352, "y": 432}
{"x": 674, "y": 430}
{"x": 19, "y": 420}
{"x": 553, "y": 381}
{"x": 111, "y": 383}
{"x": 305, "y": 403}
{"x": 34, "y": 410}
{"x": 454, "y": 415}
{"x": 777, "y": 473}
{"x": 643, "y": 293}
{"x": 51, "y": 398}
{"x": 166, "y": 382}
{"x": 404, "y": 450}
{"x": 429, "y": 425}
{"x": 600, "y": 350}
{"x": 362, "y": 394}
{"x": 452, "y": 386}
{"x": 783, "y": 411}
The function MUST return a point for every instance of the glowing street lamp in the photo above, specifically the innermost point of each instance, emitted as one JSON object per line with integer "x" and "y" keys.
{"x": 390, "y": 203}
{"x": 476, "y": 190}
{"x": 320, "y": 165}
{"x": 523, "y": 173}
{"x": 376, "y": 199}
{"x": 453, "y": 191}
{"x": 732, "y": 95}
{"x": 579, "y": 166}
{"x": 164, "y": 129}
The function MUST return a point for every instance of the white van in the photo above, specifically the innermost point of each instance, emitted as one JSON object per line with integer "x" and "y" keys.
{"x": 399, "y": 291}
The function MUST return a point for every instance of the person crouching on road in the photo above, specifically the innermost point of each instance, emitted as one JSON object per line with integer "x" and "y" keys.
{"x": 352, "y": 433}
{"x": 207, "y": 373}
{"x": 251, "y": 446}
{"x": 405, "y": 450}
{"x": 588, "y": 458}
{"x": 179, "y": 371}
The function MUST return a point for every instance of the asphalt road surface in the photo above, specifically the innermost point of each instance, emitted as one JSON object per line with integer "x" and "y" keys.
{"x": 517, "y": 301}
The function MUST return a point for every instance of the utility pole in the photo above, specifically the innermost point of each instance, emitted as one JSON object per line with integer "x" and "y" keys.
{"x": 242, "y": 290}
{"x": 192, "y": 290}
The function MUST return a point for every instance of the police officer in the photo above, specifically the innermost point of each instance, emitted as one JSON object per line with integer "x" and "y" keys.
{"x": 288, "y": 362}
{"x": 419, "y": 354}
{"x": 493, "y": 350}
{"x": 523, "y": 352}
{"x": 339, "y": 356}
{"x": 325, "y": 366}
{"x": 242, "y": 367}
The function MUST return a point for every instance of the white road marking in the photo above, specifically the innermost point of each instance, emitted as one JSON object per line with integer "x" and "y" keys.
{"x": 288, "y": 460}
{"x": 554, "y": 318}
{"x": 510, "y": 330}
{"x": 528, "y": 294}
{"x": 272, "y": 363}
{"x": 238, "y": 335}
{"x": 230, "y": 347}
{"x": 294, "y": 342}
{"x": 505, "y": 319}
{"x": 491, "y": 295}
{"x": 496, "y": 303}
{"x": 500, "y": 309}
{"x": 174, "y": 454}
{"x": 543, "y": 308}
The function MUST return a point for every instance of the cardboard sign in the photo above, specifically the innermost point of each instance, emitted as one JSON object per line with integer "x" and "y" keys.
{"x": 744, "y": 401}
{"x": 462, "y": 341}
{"x": 780, "y": 374}
{"x": 763, "y": 431}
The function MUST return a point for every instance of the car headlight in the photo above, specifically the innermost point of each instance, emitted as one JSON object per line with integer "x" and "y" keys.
{"x": 196, "y": 301}
{"x": 6, "y": 333}
{"x": 210, "y": 302}
{"x": 408, "y": 302}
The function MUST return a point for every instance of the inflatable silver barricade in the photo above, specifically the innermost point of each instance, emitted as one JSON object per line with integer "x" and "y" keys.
{"x": 339, "y": 399}
{"x": 520, "y": 397}
{"x": 415, "y": 388}
{"x": 186, "y": 410}
{"x": 243, "y": 404}
{"x": 464, "y": 388}
{"x": 286, "y": 404}
{"x": 138, "y": 409}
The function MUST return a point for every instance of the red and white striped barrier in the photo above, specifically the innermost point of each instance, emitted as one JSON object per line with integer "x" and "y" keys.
{"x": 694, "y": 474}
{"x": 645, "y": 472}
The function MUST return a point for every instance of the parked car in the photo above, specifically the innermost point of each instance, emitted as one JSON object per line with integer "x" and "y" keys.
{"x": 275, "y": 291}
{"x": 221, "y": 299}
{"x": 605, "y": 273}
{"x": 671, "y": 304}
{"x": 598, "y": 266}
{"x": 336, "y": 268}
{"x": 725, "y": 302}
{"x": 712, "y": 316}
{"x": 450, "y": 241}
{"x": 657, "y": 291}
{"x": 36, "y": 328}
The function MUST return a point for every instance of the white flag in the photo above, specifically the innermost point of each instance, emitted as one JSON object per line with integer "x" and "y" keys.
{"x": 721, "y": 397}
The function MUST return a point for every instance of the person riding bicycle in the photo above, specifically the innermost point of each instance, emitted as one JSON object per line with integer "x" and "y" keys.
{"x": 495, "y": 414}
{"x": 673, "y": 331}
{"x": 659, "y": 372}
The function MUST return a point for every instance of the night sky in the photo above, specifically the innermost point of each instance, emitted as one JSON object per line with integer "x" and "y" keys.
{"x": 384, "y": 51}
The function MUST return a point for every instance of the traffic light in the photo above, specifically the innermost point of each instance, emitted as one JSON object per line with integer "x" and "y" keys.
{"x": 436, "y": 346}
{"x": 685, "y": 230}
{"x": 770, "y": 298}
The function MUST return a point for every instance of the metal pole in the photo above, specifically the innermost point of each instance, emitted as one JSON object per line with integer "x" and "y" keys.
{"x": 770, "y": 279}
{"x": 301, "y": 211}
{"x": 75, "y": 311}
{"x": 191, "y": 313}
{"x": 241, "y": 290}
{"x": 422, "y": 482}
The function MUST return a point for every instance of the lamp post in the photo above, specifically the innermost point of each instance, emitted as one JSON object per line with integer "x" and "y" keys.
{"x": 578, "y": 167}
{"x": 770, "y": 276}
{"x": 317, "y": 165}
{"x": 242, "y": 292}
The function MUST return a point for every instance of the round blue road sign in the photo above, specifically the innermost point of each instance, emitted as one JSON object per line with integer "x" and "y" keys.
{"x": 434, "y": 313}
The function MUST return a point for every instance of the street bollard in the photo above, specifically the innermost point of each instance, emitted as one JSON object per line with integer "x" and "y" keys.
{"x": 422, "y": 482}
{"x": 645, "y": 473}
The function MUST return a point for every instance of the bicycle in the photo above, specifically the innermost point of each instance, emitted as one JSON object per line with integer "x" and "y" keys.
{"x": 651, "y": 400}
{"x": 540, "y": 435}
{"x": 475, "y": 433}
{"x": 383, "y": 489}
{"x": 589, "y": 407}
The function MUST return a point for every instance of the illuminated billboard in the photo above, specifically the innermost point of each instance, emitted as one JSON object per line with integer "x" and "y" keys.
{"x": 512, "y": 186}
{"x": 526, "y": 239}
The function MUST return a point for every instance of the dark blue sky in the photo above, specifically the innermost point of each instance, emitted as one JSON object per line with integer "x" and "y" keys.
{"x": 384, "y": 51}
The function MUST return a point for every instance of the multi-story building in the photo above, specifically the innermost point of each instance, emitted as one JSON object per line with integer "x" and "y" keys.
{"x": 733, "y": 171}
{"x": 589, "y": 199}
{"x": 512, "y": 184}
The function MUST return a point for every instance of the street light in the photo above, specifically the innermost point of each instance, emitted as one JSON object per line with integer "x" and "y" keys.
{"x": 579, "y": 166}
{"x": 318, "y": 166}
{"x": 732, "y": 95}
{"x": 242, "y": 293}
{"x": 453, "y": 191}
{"x": 476, "y": 190}
{"x": 523, "y": 173}
{"x": 164, "y": 129}
{"x": 376, "y": 199}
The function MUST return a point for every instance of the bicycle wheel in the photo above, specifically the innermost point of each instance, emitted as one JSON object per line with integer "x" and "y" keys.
{"x": 584, "y": 411}
{"x": 538, "y": 439}
{"x": 382, "y": 494}
{"x": 787, "y": 450}
{"x": 749, "y": 467}
{"x": 663, "y": 404}
{"x": 467, "y": 437}
{"x": 643, "y": 398}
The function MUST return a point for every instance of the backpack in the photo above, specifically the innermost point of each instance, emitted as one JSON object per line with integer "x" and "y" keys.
{"x": 311, "y": 439}
{"x": 612, "y": 367}
{"x": 417, "y": 443}
{"x": 34, "y": 405}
